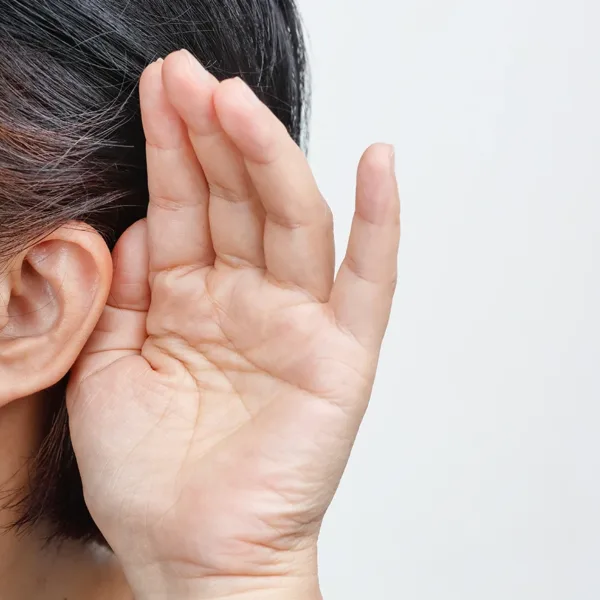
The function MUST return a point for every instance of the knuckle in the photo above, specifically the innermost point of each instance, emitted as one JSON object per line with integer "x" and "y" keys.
{"x": 165, "y": 202}
{"x": 220, "y": 192}
{"x": 358, "y": 269}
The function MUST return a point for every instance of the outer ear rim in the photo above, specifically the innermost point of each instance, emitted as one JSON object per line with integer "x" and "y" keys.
{"x": 55, "y": 362}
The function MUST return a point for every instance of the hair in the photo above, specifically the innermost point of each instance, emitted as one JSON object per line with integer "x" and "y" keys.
{"x": 72, "y": 146}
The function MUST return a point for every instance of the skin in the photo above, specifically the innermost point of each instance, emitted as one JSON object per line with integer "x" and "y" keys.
{"x": 30, "y": 568}
{"x": 215, "y": 404}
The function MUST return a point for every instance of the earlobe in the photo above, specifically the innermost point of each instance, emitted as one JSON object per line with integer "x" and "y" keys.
{"x": 51, "y": 299}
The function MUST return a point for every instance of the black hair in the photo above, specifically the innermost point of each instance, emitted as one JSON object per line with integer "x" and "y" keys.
{"x": 72, "y": 146}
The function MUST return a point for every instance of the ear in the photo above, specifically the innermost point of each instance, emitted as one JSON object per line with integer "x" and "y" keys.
{"x": 51, "y": 298}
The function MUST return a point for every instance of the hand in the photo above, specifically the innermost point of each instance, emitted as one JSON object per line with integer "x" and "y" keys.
{"x": 216, "y": 404}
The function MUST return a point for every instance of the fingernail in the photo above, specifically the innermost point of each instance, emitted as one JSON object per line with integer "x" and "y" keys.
{"x": 246, "y": 94}
{"x": 196, "y": 69}
{"x": 159, "y": 61}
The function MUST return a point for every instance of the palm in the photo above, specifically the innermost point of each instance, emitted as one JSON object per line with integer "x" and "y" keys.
{"x": 227, "y": 373}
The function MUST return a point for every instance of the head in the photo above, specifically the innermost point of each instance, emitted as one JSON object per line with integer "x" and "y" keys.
{"x": 73, "y": 178}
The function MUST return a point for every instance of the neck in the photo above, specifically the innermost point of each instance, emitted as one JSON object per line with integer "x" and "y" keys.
{"x": 30, "y": 567}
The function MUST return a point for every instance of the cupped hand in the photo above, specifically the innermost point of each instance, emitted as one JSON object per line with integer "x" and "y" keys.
{"x": 215, "y": 406}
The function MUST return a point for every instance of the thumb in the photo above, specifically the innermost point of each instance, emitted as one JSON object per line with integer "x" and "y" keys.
{"x": 121, "y": 330}
{"x": 130, "y": 289}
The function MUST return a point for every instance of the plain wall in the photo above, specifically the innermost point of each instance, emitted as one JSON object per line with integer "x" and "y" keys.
{"x": 476, "y": 475}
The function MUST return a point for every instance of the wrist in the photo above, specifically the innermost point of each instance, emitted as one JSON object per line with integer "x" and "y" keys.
{"x": 233, "y": 590}
{"x": 286, "y": 578}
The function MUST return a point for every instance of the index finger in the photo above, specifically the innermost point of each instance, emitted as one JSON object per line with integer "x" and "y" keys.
{"x": 178, "y": 225}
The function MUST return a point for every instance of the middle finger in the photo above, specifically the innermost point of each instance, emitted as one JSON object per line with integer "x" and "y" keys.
{"x": 236, "y": 216}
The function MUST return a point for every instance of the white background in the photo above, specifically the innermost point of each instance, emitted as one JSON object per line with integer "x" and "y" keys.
{"x": 476, "y": 475}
